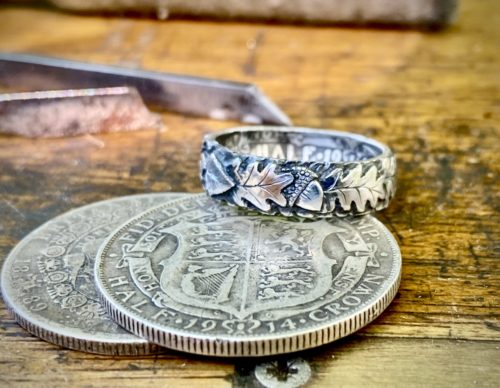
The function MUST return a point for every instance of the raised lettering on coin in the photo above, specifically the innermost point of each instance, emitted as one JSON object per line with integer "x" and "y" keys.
{"x": 211, "y": 279}
{"x": 48, "y": 278}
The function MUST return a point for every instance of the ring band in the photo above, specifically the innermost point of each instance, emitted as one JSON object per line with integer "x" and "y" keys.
{"x": 298, "y": 171}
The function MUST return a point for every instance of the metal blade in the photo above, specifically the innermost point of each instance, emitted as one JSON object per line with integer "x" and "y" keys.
{"x": 223, "y": 100}
{"x": 73, "y": 112}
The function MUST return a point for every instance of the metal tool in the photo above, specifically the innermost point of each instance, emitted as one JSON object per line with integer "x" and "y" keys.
{"x": 426, "y": 13}
{"x": 217, "y": 99}
{"x": 73, "y": 112}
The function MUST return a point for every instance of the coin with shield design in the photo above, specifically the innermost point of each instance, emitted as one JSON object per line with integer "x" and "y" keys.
{"x": 202, "y": 277}
{"x": 48, "y": 278}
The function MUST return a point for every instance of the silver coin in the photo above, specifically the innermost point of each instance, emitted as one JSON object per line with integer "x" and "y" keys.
{"x": 48, "y": 278}
{"x": 206, "y": 278}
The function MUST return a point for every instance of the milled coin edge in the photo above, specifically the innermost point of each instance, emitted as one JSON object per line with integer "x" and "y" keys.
{"x": 254, "y": 347}
{"x": 71, "y": 340}
{"x": 135, "y": 347}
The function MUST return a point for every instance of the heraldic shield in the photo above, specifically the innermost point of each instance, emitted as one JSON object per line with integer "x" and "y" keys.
{"x": 244, "y": 265}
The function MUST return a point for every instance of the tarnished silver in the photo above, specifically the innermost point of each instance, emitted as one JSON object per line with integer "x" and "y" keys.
{"x": 202, "y": 277}
{"x": 48, "y": 278}
{"x": 298, "y": 171}
{"x": 73, "y": 112}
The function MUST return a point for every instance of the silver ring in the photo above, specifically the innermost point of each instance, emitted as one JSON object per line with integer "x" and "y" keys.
{"x": 298, "y": 171}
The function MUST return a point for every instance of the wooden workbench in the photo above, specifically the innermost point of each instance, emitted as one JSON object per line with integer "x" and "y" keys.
{"x": 433, "y": 97}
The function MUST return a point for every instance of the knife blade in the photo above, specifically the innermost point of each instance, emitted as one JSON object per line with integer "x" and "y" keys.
{"x": 190, "y": 95}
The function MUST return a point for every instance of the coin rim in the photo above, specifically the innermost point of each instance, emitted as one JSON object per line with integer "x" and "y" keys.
{"x": 262, "y": 345}
{"x": 45, "y": 328}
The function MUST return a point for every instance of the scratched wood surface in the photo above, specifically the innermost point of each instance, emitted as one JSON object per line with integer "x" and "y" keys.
{"x": 433, "y": 97}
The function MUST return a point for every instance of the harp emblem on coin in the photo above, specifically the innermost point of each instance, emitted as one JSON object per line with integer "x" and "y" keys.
{"x": 198, "y": 276}
{"x": 281, "y": 265}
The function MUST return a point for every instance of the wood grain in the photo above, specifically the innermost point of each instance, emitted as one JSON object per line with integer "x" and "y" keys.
{"x": 434, "y": 98}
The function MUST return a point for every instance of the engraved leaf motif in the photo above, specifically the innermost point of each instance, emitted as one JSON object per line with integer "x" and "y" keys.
{"x": 360, "y": 189}
{"x": 330, "y": 178}
{"x": 216, "y": 179}
{"x": 390, "y": 187}
{"x": 257, "y": 187}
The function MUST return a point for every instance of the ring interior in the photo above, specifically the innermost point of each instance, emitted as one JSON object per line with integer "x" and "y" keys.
{"x": 300, "y": 146}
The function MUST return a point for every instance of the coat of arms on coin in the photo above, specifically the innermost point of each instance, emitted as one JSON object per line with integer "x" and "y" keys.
{"x": 206, "y": 278}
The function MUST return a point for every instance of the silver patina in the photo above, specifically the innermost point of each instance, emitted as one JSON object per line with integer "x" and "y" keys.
{"x": 48, "y": 278}
{"x": 202, "y": 277}
{"x": 298, "y": 171}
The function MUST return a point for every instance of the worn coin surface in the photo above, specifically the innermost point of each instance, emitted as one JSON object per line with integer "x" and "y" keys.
{"x": 206, "y": 278}
{"x": 48, "y": 278}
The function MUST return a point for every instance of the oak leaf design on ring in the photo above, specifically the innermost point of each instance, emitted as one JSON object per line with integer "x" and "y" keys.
{"x": 258, "y": 187}
{"x": 359, "y": 188}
